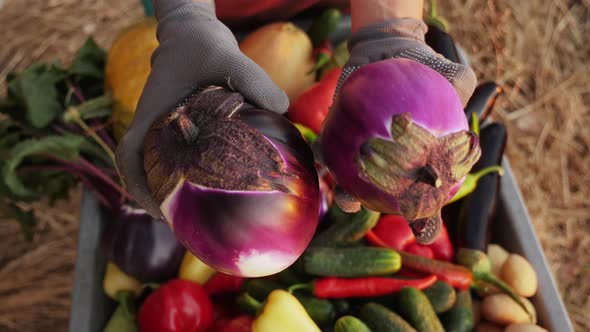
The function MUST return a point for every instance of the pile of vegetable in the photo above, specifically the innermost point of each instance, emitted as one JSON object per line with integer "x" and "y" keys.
{"x": 280, "y": 254}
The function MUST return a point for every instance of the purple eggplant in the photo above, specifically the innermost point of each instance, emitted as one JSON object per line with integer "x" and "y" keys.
{"x": 143, "y": 247}
{"x": 398, "y": 141}
{"x": 477, "y": 210}
{"x": 237, "y": 184}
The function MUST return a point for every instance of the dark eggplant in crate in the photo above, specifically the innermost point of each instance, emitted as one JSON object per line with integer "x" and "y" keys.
{"x": 477, "y": 210}
{"x": 141, "y": 246}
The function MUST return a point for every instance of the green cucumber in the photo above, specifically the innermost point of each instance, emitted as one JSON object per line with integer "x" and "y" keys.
{"x": 441, "y": 295}
{"x": 321, "y": 311}
{"x": 351, "y": 262}
{"x": 350, "y": 324}
{"x": 259, "y": 288}
{"x": 460, "y": 317}
{"x": 381, "y": 319}
{"x": 347, "y": 228}
{"x": 324, "y": 25}
{"x": 413, "y": 305}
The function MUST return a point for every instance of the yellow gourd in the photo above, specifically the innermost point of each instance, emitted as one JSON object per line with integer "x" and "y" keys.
{"x": 127, "y": 69}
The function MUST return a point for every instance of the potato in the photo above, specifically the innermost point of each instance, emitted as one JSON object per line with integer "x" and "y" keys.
{"x": 520, "y": 275}
{"x": 497, "y": 256}
{"x": 503, "y": 310}
{"x": 487, "y": 327}
{"x": 524, "y": 327}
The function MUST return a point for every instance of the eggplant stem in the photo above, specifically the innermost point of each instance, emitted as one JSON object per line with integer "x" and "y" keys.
{"x": 184, "y": 127}
{"x": 481, "y": 173}
{"x": 250, "y": 303}
{"x": 429, "y": 175}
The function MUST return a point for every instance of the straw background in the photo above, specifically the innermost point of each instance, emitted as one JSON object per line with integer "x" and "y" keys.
{"x": 538, "y": 50}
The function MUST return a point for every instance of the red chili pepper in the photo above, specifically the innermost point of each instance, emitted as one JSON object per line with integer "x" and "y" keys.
{"x": 241, "y": 323}
{"x": 339, "y": 288}
{"x": 394, "y": 231}
{"x": 419, "y": 249}
{"x": 456, "y": 275}
{"x": 442, "y": 247}
{"x": 176, "y": 306}
{"x": 223, "y": 283}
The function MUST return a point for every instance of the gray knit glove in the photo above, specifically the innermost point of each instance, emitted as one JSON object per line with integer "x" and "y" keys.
{"x": 195, "y": 50}
{"x": 404, "y": 38}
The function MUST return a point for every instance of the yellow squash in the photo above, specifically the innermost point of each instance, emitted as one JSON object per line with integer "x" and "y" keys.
{"x": 127, "y": 69}
{"x": 283, "y": 312}
{"x": 285, "y": 52}
{"x": 116, "y": 281}
{"x": 194, "y": 269}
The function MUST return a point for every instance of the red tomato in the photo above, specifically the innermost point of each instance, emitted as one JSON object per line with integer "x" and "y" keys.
{"x": 177, "y": 306}
{"x": 310, "y": 109}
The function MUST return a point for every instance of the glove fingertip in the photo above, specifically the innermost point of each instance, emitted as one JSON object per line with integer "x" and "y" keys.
{"x": 465, "y": 82}
{"x": 267, "y": 95}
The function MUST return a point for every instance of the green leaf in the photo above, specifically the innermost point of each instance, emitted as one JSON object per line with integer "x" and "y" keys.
{"x": 35, "y": 90}
{"x": 64, "y": 147}
{"x": 10, "y": 135}
{"x": 90, "y": 61}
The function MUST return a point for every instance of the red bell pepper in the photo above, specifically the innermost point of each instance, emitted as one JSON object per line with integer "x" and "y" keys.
{"x": 395, "y": 231}
{"x": 311, "y": 108}
{"x": 223, "y": 283}
{"x": 419, "y": 249}
{"x": 442, "y": 247}
{"x": 176, "y": 306}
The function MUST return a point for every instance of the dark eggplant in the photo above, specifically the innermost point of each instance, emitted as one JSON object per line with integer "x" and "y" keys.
{"x": 141, "y": 246}
{"x": 483, "y": 99}
{"x": 441, "y": 42}
{"x": 477, "y": 209}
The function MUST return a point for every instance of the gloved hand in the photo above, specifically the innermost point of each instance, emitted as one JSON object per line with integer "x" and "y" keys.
{"x": 196, "y": 50}
{"x": 404, "y": 38}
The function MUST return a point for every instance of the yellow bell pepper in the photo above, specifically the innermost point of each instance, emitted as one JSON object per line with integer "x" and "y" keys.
{"x": 283, "y": 312}
{"x": 194, "y": 269}
{"x": 116, "y": 281}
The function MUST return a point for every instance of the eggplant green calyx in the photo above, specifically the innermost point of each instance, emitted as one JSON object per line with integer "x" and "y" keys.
{"x": 419, "y": 169}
